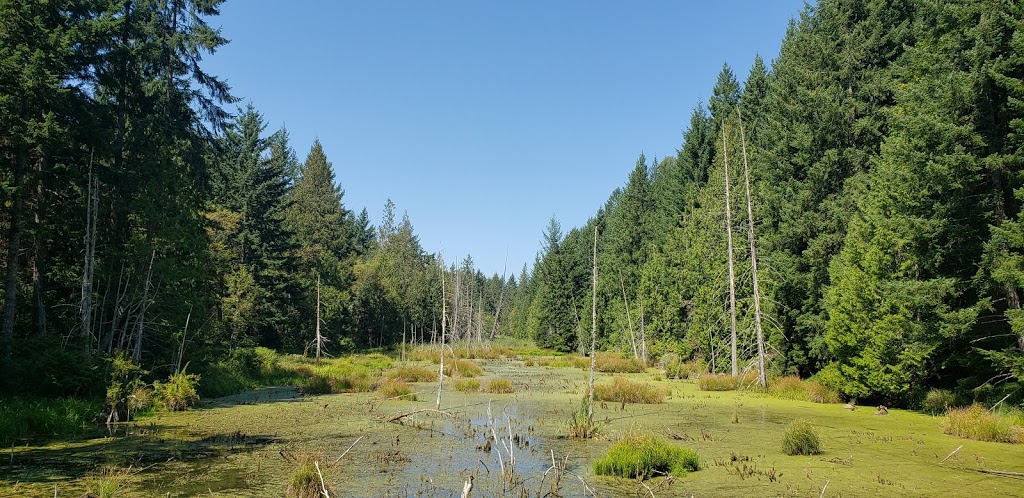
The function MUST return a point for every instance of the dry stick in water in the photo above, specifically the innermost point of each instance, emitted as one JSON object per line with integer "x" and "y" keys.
{"x": 823, "y": 488}
{"x": 346, "y": 451}
{"x": 323, "y": 485}
{"x": 958, "y": 448}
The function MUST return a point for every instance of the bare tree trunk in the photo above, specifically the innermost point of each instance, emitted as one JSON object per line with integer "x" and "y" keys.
{"x": 91, "y": 208}
{"x": 184, "y": 338}
{"x": 593, "y": 332}
{"x": 39, "y": 248}
{"x": 13, "y": 238}
{"x": 643, "y": 334}
{"x": 141, "y": 324}
{"x": 319, "y": 337}
{"x": 629, "y": 319}
{"x": 444, "y": 315}
{"x": 501, "y": 297}
{"x": 732, "y": 271}
{"x": 761, "y": 378}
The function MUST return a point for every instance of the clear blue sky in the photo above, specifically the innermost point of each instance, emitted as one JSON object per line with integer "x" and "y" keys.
{"x": 481, "y": 119}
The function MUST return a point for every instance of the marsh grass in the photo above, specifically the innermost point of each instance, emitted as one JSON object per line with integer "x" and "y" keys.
{"x": 976, "y": 422}
{"x": 818, "y": 392}
{"x": 462, "y": 368}
{"x": 499, "y": 386}
{"x": 643, "y": 455}
{"x": 413, "y": 373}
{"x": 357, "y": 373}
{"x": 110, "y": 482}
{"x": 394, "y": 388}
{"x": 178, "y": 393}
{"x": 621, "y": 390}
{"x": 28, "y": 418}
{"x": 304, "y": 481}
{"x": 466, "y": 385}
{"x": 794, "y": 388}
{"x": 615, "y": 363}
{"x": 580, "y": 425}
{"x": 800, "y": 438}
{"x": 717, "y": 382}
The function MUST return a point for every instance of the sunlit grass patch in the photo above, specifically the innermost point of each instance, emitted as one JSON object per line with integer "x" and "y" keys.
{"x": 393, "y": 388}
{"x": 937, "y": 401}
{"x": 499, "y": 386}
{"x": 801, "y": 438}
{"x": 615, "y": 363}
{"x": 622, "y": 390}
{"x": 717, "y": 382}
{"x": 976, "y": 422}
{"x": 459, "y": 367}
{"x": 642, "y": 455}
{"x": 413, "y": 373}
{"x": 466, "y": 385}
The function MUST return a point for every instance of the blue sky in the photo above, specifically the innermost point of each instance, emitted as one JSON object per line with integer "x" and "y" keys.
{"x": 482, "y": 119}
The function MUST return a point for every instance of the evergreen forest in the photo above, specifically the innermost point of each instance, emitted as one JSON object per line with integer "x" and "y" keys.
{"x": 850, "y": 211}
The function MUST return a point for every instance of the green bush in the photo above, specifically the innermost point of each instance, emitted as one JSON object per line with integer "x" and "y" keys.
{"x": 976, "y": 422}
{"x": 178, "y": 393}
{"x": 800, "y": 438}
{"x": 937, "y": 401}
{"x": 642, "y": 456}
{"x": 622, "y": 390}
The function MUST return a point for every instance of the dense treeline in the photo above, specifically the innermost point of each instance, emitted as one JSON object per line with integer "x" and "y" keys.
{"x": 143, "y": 216}
{"x": 885, "y": 150}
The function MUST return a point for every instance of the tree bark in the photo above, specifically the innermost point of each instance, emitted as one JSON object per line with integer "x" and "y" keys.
{"x": 732, "y": 271}
{"x": 13, "y": 238}
{"x": 761, "y": 377}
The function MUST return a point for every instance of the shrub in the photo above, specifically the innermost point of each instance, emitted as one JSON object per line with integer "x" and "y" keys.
{"x": 975, "y": 422}
{"x": 392, "y": 388}
{"x": 821, "y": 393}
{"x": 304, "y": 481}
{"x": 178, "y": 393}
{"x": 528, "y": 362}
{"x": 413, "y": 374}
{"x": 615, "y": 363}
{"x": 316, "y": 385}
{"x": 499, "y": 386}
{"x": 641, "y": 456}
{"x": 788, "y": 387}
{"x": 937, "y": 401}
{"x": 466, "y": 385}
{"x": 462, "y": 368}
{"x": 717, "y": 382}
{"x": 800, "y": 438}
{"x": 582, "y": 426}
{"x": 622, "y": 390}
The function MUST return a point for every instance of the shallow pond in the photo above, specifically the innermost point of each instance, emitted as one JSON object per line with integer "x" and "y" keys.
{"x": 247, "y": 445}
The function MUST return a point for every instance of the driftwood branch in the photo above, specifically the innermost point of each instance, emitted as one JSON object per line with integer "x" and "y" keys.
{"x": 958, "y": 448}
{"x": 400, "y": 416}
{"x": 346, "y": 451}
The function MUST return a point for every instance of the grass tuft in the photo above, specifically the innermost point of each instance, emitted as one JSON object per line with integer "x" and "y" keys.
{"x": 717, "y": 382}
{"x": 413, "y": 373}
{"x": 393, "y": 388}
{"x": 821, "y": 393}
{"x": 112, "y": 482}
{"x": 975, "y": 422}
{"x": 800, "y": 438}
{"x": 304, "y": 481}
{"x": 580, "y": 425}
{"x": 466, "y": 385}
{"x": 622, "y": 390}
{"x": 499, "y": 386}
{"x": 462, "y": 368}
{"x": 178, "y": 393}
{"x": 642, "y": 456}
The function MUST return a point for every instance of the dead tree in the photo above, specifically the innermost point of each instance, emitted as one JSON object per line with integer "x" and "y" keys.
{"x": 593, "y": 333}
{"x": 444, "y": 320}
{"x": 320, "y": 340}
{"x": 761, "y": 378}
{"x": 732, "y": 271}
{"x": 629, "y": 319}
{"x": 92, "y": 204}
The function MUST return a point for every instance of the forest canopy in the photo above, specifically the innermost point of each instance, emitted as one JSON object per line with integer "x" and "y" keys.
{"x": 875, "y": 166}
